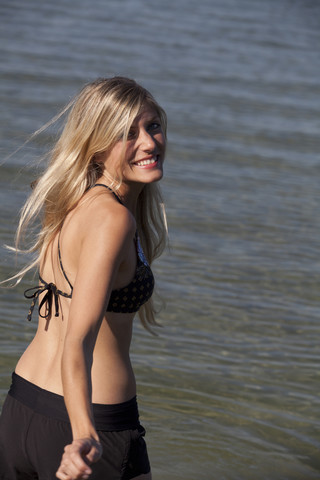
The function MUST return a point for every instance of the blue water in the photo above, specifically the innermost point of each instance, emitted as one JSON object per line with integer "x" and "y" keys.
{"x": 230, "y": 388}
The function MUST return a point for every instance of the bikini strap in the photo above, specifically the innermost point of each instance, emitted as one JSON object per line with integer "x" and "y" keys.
{"x": 59, "y": 250}
{"x": 61, "y": 265}
{"x": 110, "y": 189}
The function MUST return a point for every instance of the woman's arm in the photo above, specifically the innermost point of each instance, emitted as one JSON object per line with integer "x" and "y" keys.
{"x": 103, "y": 248}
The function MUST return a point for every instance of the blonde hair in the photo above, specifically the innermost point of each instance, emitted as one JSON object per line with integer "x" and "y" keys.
{"x": 100, "y": 115}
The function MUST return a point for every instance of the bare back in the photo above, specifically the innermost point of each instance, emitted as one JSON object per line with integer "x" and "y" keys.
{"x": 112, "y": 376}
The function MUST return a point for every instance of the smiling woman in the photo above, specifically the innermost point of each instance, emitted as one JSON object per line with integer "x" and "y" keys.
{"x": 143, "y": 151}
{"x": 72, "y": 402}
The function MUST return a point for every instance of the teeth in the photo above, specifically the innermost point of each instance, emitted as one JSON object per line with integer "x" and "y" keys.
{"x": 146, "y": 162}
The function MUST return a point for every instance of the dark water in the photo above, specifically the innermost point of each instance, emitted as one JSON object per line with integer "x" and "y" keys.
{"x": 230, "y": 389}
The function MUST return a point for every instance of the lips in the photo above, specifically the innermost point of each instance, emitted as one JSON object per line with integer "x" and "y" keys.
{"x": 147, "y": 161}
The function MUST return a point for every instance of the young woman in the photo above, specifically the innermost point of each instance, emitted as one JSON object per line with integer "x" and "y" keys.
{"x": 71, "y": 410}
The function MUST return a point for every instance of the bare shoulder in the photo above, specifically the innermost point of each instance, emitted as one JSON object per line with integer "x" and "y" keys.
{"x": 102, "y": 216}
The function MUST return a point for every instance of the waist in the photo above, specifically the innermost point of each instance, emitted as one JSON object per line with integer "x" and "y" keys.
{"x": 41, "y": 365}
{"x": 107, "y": 417}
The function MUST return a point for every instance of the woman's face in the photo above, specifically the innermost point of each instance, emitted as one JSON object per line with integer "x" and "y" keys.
{"x": 144, "y": 151}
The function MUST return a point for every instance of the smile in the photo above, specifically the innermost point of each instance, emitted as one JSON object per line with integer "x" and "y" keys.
{"x": 149, "y": 161}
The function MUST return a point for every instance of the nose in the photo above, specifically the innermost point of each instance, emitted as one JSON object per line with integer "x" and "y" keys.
{"x": 146, "y": 140}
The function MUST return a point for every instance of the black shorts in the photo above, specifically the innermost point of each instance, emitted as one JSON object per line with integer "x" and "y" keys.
{"x": 34, "y": 429}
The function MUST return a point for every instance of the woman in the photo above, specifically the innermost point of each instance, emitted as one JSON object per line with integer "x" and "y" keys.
{"x": 71, "y": 409}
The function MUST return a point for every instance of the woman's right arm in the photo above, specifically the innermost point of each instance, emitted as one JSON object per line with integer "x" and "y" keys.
{"x": 103, "y": 248}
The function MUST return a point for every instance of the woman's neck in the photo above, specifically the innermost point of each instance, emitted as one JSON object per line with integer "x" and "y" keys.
{"x": 128, "y": 193}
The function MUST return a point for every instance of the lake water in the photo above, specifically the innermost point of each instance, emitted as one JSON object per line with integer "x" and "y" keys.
{"x": 230, "y": 389}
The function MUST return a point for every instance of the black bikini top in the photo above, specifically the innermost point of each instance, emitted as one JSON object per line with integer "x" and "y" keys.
{"x": 127, "y": 299}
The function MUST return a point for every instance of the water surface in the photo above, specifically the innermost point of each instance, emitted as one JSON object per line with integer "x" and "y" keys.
{"x": 230, "y": 388}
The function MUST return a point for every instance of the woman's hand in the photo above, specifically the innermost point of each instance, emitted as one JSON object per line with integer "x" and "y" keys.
{"x": 77, "y": 457}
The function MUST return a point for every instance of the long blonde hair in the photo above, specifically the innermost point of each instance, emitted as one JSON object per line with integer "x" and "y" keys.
{"x": 99, "y": 116}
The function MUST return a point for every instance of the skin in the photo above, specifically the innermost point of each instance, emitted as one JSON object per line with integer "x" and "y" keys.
{"x": 84, "y": 353}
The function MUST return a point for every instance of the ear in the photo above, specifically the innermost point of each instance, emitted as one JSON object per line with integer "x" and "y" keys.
{"x": 95, "y": 169}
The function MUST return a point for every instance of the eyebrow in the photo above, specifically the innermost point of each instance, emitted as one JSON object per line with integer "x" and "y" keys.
{"x": 153, "y": 118}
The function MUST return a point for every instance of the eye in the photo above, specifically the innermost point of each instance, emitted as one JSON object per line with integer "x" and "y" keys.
{"x": 131, "y": 133}
{"x": 154, "y": 126}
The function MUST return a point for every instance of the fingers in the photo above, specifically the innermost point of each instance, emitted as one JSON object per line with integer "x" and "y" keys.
{"x": 77, "y": 455}
{"x": 72, "y": 466}
{"x": 95, "y": 453}
{"x": 68, "y": 472}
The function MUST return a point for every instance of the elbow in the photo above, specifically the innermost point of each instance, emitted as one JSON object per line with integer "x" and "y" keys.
{"x": 76, "y": 353}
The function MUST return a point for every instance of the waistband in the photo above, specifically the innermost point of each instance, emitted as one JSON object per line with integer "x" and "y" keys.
{"x": 109, "y": 417}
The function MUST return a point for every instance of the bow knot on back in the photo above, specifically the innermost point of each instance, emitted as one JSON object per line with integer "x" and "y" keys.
{"x": 51, "y": 295}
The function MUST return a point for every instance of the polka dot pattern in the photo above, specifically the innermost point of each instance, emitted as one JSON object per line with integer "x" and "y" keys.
{"x": 130, "y": 298}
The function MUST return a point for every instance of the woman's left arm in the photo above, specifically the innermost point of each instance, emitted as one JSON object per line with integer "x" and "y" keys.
{"x": 100, "y": 257}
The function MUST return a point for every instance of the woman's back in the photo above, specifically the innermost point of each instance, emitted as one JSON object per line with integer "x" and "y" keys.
{"x": 41, "y": 362}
